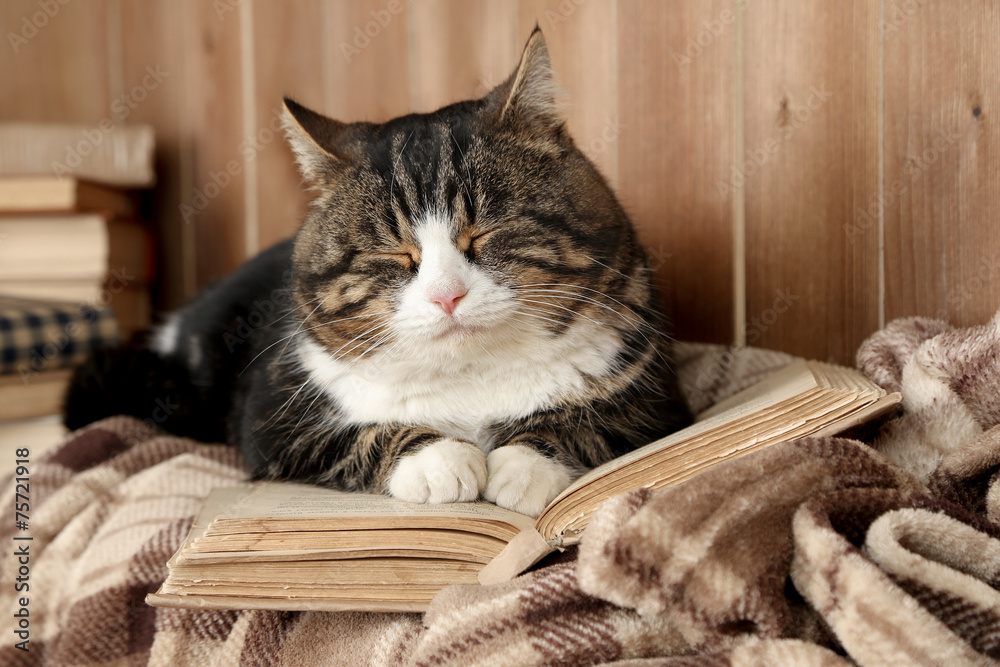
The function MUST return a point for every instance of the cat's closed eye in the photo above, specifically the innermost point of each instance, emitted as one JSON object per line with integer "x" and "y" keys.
{"x": 408, "y": 257}
{"x": 471, "y": 244}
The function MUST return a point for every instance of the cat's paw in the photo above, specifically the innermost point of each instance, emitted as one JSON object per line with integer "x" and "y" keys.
{"x": 523, "y": 480}
{"x": 446, "y": 471}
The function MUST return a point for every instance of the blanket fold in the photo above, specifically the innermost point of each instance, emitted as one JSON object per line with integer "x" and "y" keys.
{"x": 890, "y": 558}
{"x": 822, "y": 551}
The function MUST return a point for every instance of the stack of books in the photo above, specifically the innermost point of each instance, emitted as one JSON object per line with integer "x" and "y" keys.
{"x": 40, "y": 341}
{"x": 75, "y": 261}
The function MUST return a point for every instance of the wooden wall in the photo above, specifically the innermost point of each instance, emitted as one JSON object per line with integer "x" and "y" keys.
{"x": 801, "y": 172}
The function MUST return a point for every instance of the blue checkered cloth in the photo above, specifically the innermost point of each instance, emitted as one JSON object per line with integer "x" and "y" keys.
{"x": 37, "y": 336}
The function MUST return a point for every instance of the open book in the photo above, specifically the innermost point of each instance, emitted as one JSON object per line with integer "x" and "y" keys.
{"x": 289, "y": 546}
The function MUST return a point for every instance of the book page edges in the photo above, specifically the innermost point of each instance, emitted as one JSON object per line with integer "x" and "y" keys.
{"x": 867, "y": 413}
{"x": 173, "y": 601}
{"x": 794, "y": 375}
{"x": 795, "y": 379}
{"x": 522, "y": 552}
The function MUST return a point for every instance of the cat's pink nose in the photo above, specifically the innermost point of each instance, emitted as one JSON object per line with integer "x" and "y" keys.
{"x": 448, "y": 298}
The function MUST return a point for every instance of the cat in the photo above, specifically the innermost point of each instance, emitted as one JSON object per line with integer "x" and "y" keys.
{"x": 465, "y": 313}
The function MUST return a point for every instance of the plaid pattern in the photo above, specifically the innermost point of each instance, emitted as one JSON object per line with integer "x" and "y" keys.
{"x": 38, "y": 336}
{"x": 814, "y": 552}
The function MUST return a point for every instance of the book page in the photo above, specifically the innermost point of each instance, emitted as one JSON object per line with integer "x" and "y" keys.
{"x": 288, "y": 500}
{"x": 789, "y": 382}
{"x": 798, "y": 400}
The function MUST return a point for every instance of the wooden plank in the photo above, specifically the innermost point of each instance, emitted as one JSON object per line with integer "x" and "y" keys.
{"x": 942, "y": 160}
{"x": 55, "y": 67}
{"x": 150, "y": 43}
{"x": 584, "y": 50}
{"x": 675, "y": 147}
{"x": 811, "y": 159}
{"x": 366, "y": 48}
{"x": 215, "y": 205}
{"x": 460, "y": 50}
{"x": 287, "y": 48}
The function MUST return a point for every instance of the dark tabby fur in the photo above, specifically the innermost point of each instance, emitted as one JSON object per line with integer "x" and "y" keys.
{"x": 525, "y": 206}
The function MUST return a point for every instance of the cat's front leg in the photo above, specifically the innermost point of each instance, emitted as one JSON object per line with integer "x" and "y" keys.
{"x": 438, "y": 470}
{"x": 524, "y": 476}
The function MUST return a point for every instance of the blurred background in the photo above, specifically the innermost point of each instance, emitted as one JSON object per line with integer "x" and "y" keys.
{"x": 801, "y": 172}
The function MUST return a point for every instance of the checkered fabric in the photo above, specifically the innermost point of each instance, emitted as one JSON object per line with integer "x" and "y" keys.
{"x": 37, "y": 336}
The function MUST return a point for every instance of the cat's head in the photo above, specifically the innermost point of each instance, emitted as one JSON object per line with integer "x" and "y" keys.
{"x": 462, "y": 229}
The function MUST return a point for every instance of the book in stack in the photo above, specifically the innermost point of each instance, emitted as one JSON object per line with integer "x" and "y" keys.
{"x": 75, "y": 262}
{"x": 277, "y": 545}
{"x": 65, "y": 239}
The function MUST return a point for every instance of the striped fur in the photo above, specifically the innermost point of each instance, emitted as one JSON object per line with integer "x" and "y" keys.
{"x": 464, "y": 281}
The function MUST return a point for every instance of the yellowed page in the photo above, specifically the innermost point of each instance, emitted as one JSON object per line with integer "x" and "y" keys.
{"x": 801, "y": 399}
{"x": 789, "y": 382}
{"x": 162, "y": 599}
{"x": 285, "y": 500}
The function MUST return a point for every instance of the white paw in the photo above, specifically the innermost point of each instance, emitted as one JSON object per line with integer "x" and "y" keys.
{"x": 523, "y": 480}
{"x": 447, "y": 471}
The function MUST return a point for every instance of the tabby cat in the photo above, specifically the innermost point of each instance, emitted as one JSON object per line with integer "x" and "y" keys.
{"x": 464, "y": 313}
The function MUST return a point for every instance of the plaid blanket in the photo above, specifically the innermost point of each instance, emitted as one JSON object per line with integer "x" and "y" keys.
{"x": 37, "y": 336}
{"x": 814, "y": 552}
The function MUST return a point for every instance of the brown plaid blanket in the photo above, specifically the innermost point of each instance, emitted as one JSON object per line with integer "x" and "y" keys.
{"x": 814, "y": 552}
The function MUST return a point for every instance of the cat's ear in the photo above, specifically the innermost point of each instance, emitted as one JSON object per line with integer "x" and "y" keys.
{"x": 528, "y": 96}
{"x": 313, "y": 138}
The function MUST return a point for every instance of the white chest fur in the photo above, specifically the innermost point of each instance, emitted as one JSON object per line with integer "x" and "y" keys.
{"x": 461, "y": 393}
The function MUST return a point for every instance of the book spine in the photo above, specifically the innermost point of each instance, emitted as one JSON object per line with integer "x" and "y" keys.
{"x": 120, "y": 155}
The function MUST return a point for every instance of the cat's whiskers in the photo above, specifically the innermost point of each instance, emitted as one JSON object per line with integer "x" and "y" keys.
{"x": 387, "y": 354}
{"x": 395, "y": 165}
{"x": 385, "y": 336}
{"x": 589, "y": 289}
{"x": 465, "y": 161}
{"x": 298, "y": 332}
{"x": 359, "y": 340}
{"x": 302, "y": 323}
{"x": 639, "y": 326}
{"x": 642, "y": 327}
{"x": 306, "y": 412}
{"x": 612, "y": 270}
{"x": 544, "y": 311}
{"x": 568, "y": 310}
{"x": 292, "y": 311}
{"x": 519, "y": 311}
{"x": 284, "y": 406}
{"x": 586, "y": 299}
